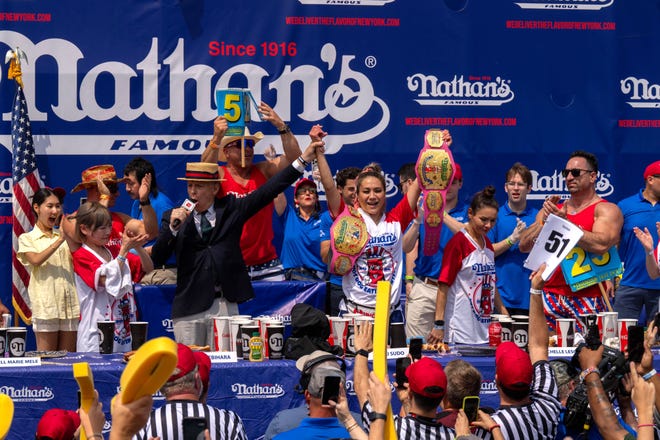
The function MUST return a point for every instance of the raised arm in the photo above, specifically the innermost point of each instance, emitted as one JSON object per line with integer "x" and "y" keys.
{"x": 211, "y": 153}
{"x": 538, "y": 327}
{"x": 332, "y": 195}
{"x": 363, "y": 341}
{"x": 289, "y": 142}
{"x": 149, "y": 217}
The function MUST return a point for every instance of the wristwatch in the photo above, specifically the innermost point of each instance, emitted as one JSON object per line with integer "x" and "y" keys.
{"x": 435, "y": 171}
{"x": 145, "y": 203}
{"x": 375, "y": 416}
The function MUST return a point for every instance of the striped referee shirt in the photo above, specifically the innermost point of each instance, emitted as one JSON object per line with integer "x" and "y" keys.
{"x": 413, "y": 427}
{"x": 537, "y": 420}
{"x": 166, "y": 421}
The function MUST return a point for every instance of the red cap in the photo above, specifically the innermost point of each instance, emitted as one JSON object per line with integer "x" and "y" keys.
{"x": 426, "y": 378}
{"x": 185, "y": 362}
{"x": 204, "y": 367}
{"x": 58, "y": 424}
{"x": 458, "y": 173}
{"x": 303, "y": 181}
{"x": 652, "y": 169}
{"x": 513, "y": 367}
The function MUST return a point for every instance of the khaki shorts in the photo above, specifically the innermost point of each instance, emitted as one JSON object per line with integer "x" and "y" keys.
{"x": 54, "y": 325}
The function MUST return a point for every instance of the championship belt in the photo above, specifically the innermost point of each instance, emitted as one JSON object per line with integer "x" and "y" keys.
{"x": 348, "y": 237}
{"x": 435, "y": 172}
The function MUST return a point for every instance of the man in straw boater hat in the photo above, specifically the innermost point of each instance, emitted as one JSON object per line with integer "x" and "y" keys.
{"x": 212, "y": 278}
{"x": 101, "y": 184}
{"x": 242, "y": 176}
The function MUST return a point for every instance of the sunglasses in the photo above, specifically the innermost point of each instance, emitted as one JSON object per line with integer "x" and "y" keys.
{"x": 575, "y": 172}
{"x": 307, "y": 190}
{"x": 237, "y": 144}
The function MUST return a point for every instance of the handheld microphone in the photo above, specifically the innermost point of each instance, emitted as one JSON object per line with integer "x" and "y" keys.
{"x": 188, "y": 205}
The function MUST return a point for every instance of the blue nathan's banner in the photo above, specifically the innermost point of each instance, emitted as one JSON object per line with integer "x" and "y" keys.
{"x": 526, "y": 81}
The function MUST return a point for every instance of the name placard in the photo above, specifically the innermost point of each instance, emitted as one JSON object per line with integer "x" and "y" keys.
{"x": 393, "y": 353}
{"x": 20, "y": 362}
{"x": 222, "y": 357}
{"x": 561, "y": 351}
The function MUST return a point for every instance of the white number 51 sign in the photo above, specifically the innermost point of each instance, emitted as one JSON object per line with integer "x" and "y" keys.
{"x": 555, "y": 241}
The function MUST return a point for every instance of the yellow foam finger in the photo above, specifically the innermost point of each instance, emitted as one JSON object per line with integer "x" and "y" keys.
{"x": 148, "y": 369}
{"x": 6, "y": 415}
{"x": 381, "y": 324}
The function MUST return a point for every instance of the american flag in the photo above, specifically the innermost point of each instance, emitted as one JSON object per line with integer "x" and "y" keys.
{"x": 26, "y": 183}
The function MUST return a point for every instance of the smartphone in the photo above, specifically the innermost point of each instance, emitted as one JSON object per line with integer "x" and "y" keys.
{"x": 656, "y": 323}
{"x": 471, "y": 407}
{"x": 401, "y": 365}
{"x": 415, "y": 349}
{"x": 330, "y": 389}
{"x": 635, "y": 343}
{"x": 193, "y": 428}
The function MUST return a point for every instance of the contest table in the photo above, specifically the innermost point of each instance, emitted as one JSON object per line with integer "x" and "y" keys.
{"x": 256, "y": 391}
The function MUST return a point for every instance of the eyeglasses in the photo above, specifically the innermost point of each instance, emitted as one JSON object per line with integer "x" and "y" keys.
{"x": 516, "y": 184}
{"x": 307, "y": 190}
{"x": 575, "y": 172}
{"x": 249, "y": 143}
{"x": 403, "y": 182}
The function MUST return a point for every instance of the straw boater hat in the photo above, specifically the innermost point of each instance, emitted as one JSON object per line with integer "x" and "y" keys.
{"x": 229, "y": 139}
{"x": 107, "y": 173}
{"x": 201, "y": 172}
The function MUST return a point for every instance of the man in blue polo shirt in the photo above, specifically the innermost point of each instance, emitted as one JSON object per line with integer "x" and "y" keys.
{"x": 420, "y": 304}
{"x": 637, "y": 290}
{"x": 512, "y": 218}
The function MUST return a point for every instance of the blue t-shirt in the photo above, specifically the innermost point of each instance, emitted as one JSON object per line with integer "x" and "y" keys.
{"x": 512, "y": 278}
{"x": 301, "y": 246}
{"x": 324, "y": 233}
{"x": 637, "y": 211}
{"x": 315, "y": 428}
{"x": 429, "y": 266}
{"x": 160, "y": 203}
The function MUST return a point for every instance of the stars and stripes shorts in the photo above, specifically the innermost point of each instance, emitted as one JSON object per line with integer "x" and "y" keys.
{"x": 557, "y": 306}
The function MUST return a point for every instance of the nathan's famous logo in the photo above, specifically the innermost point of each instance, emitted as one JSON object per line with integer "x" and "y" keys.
{"x": 483, "y": 91}
{"x": 555, "y": 184}
{"x": 641, "y": 92}
{"x": 592, "y": 5}
{"x": 488, "y": 387}
{"x": 139, "y": 92}
{"x": 257, "y": 391}
{"x": 28, "y": 394}
{"x": 6, "y": 184}
{"x": 346, "y": 2}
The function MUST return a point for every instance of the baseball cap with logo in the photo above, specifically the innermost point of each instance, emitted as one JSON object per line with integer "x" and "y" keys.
{"x": 57, "y": 424}
{"x": 427, "y": 378}
{"x": 513, "y": 367}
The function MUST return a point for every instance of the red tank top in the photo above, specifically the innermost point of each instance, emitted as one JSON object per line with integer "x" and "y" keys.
{"x": 557, "y": 283}
{"x": 257, "y": 237}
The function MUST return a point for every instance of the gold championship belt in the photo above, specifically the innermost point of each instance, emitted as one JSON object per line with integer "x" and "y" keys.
{"x": 435, "y": 171}
{"x": 348, "y": 237}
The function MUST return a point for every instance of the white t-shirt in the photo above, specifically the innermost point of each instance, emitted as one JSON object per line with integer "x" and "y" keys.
{"x": 469, "y": 270}
{"x": 381, "y": 259}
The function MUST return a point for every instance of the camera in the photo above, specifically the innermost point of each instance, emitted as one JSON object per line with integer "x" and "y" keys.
{"x": 612, "y": 367}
